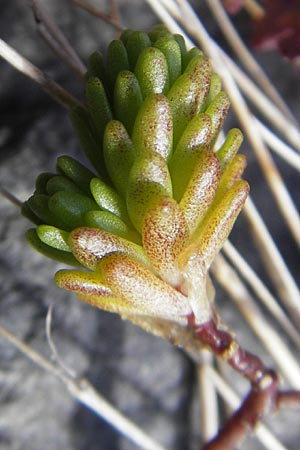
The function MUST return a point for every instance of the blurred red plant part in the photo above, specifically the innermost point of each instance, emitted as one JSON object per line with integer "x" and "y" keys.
{"x": 279, "y": 28}
{"x": 233, "y": 6}
{"x": 276, "y": 27}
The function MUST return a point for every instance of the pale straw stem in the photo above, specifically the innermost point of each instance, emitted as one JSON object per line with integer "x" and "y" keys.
{"x": 162, "y": 12}
{"x": 277, "y": 186}
{"x": 10, "y": 197}
{"x": 56, "y": 39}
{"x": 232, "y": 399}
{"x": 254, "y": 9}
{"x": 85, "y": 393}
{"x": 283, "y": 150}
{"x": 261, "y": 291}
{"x": 114, "y": 21}
{"x": 273, "y": 261}
{"x": 169, "y": 14}
{"x": 265, "y": 106}
{"x": 246, "y": 57}
{"x": 27, "y": 68}
{"x": 208, "y": 396}
{"x": 268, "y": 336}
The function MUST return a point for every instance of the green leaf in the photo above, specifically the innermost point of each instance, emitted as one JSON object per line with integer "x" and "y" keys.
{"x": 71, "y": 207}
{"x": 119, "y": 154}
{"x": 230, "y": 147}
{"x": 149, "y": 180}
{"x": 117, "y": 60}
{"x": 50, "y": 252}
{"x": 107, "y": 222}
{"x": 152, "y": 72}
{"x": 153, "y": 130}
{"x": 39, "y": 205}
{"x": 108, "y": 199}
{"x": 96, "y": 67}
{"x": 170, "y": 48}
{"x": 217, "y": 110}
{"x": 76, "y": 172}
{"x": 92, "y": 149}
{"x": 188, "y": 94}
{"x": 136, "y": 42}
{"x": 194, "y": 141}
{"x": 41, "y": 182}
{"x": 127, "y": 99}
{"x": 61, "y": 183}
{"x": 98, "y": 106}
{"x": 54, "y": 237}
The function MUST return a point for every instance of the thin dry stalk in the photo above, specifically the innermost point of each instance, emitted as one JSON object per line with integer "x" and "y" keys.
{"x": 10, "y": 197}
{"x": 283, "y": 150}
{"x": 275, "y": 265}
{"x": 245, "y": 56}
{"x": 24, "y": 66}
{"x": 268, "y": 336}
{"x": 274, "y": 179}
{"x": 112, "y": 19}
{"x": 208, "y": 396}
{"x": 254, "y": 9}
{"x": 56, "y": 40}
{"x": 260, "y": 289}
{"x": 264, "y": 105}
{"x": 170, "y": 14}
{"x": 85, "y": 393}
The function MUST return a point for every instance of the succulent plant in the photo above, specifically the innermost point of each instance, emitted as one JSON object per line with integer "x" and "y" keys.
{"x": 146, "y": 222}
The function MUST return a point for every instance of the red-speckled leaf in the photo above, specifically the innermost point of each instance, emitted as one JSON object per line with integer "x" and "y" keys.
{"x": 213, "y": 232}
{"x": 136, "y": 284}
{"x": 165, "y": 233}
{"x": 201, "y": 189}
{"x": 89, "y": 245}
{"x": 89, "y": 288}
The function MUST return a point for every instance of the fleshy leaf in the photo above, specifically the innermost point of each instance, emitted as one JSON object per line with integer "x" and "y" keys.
{"x": 195, "y": 139}
{"x": 117, "y": 60}
{"x": 98, "y": 106}
{"x": 86, "y": 136}
{"x": 153, "y": 130}
{"x": 201, "y": 189}
{"x": 127, "y": 99}
{"x": 165, "y": 233}
{"x": 76, "y": 171}
{"x": 217, "y": 110}
{"x": 135, "y": 42}
{"x": 230, "y": 147}
{"x": 231, "y": 174}
{"x": 60, "y": 183}
{"x": 111, "y": 223}
{"x": 149, "y": 180}
{"x": 170, "y": 48}
{"x": 71, "y": 207}
{"x": 108, "y": 199}
{"x": 152, "y": 73}
{"x": 150, "y": 295}
{"x": 50, "y": 252}
{"x": 89, "y": 245}
{"x": 119, "y": 154}
{"x": 188, "y": 94}
{"x": 211, "y": 235}
{"x": 54, "y": 237}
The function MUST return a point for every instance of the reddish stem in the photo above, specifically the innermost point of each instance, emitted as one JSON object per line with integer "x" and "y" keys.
{"x": 264, "y": 396}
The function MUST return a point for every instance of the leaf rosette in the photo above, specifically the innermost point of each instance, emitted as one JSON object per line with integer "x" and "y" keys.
{"x": 146, "y": 222}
